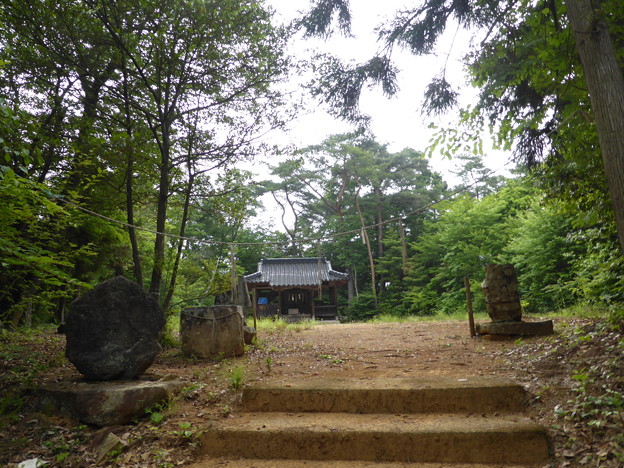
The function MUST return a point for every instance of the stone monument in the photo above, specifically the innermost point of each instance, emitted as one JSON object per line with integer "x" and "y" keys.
{"x": 500, "y": 289}
{"x": 212, "y": 332}
{"x": 502, "y": 301}
{"x": 113, "y": 331}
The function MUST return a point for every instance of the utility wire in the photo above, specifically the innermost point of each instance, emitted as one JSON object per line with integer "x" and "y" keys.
{"x": 308, "y": 240}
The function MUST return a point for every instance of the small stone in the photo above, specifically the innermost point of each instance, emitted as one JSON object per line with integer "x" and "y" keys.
{"x": 110, "y": 442}
{"x": 249, "y": 333}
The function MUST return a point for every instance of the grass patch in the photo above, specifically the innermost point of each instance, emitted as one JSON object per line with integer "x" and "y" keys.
{"x": 439, "y": 317}
{"x": 273, "y": 324}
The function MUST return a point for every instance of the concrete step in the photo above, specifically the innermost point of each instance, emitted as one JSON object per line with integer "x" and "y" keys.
{"x": 431, "y": 438}
{"x": 273, "y": 463}
{"x": 395, "y": 395}
{"x": 425, "y": 422}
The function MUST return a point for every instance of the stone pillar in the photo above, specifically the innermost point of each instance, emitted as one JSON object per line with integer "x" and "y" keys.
{"x": 500, "y": 289}
{"x": 212, "y": 332}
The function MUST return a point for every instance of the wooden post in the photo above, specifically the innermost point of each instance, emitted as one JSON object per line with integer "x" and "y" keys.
{"x": 469, "y": 303}
{"x": 254, "y": 298}
{"x": 403, "y": 247}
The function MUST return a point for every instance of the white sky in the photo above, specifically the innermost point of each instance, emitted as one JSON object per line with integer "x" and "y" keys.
{"x": 398, "y": 121}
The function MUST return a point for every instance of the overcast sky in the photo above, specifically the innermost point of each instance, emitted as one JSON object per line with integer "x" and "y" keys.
{"x": 397, "y": 121}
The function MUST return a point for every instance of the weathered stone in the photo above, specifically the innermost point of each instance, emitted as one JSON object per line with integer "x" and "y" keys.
{"x": 106, "y": 444}
{"x": 113, "y": 331}
{"x": 249, "y": 333}
{"x": 210, "y": 332}
{"x": 106, "y": 403}
{"x": 516, "y": 328}
{"x": 500, "y": 289}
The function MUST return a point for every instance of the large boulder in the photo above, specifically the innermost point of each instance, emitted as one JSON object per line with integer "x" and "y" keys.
{"x": 113, "y": 331}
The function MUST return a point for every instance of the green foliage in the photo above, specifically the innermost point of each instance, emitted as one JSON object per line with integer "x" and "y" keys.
{"x": 543, "y": 252}
{"x": 147, "y": 138}
{"x": 36, "y": 260}
{"x": 467, "y": 236}
{"x": 237, "y": 377}
{"x": 185, "y": 431}
{"x": 599, "y": 271}
{"x": 361, "y": 309}
{"x": 157, "y": 412}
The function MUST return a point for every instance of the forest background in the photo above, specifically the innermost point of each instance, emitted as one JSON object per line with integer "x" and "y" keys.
{"x": 123, "y": 125}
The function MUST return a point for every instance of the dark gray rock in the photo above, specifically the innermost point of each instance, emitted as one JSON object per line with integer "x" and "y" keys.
{"x": 113, "y": 331}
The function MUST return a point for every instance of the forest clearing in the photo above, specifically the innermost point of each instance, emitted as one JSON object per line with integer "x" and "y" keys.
{"x": 574, "y": 378}
{"x": 153, "y": 142}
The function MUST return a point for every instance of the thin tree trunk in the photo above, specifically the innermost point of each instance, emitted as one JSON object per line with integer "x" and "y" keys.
{"x": 605, "y": 83}
{"x": 403, "y": 249}
{"x": 350, "y": 287}
{"x": 161, "y": 219}
{"x": 380, "y": 234}
{"x": 176, "y": 263}
{"x": 136, "y": 256}
{"x": 371, "y": 260}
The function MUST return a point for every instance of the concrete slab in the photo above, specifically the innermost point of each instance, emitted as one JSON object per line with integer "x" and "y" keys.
{"x": 381, "y": 437}
{"x": 388, "y": 395}
{"x": 106, "y": 403}
{"x": 542, "y": 328}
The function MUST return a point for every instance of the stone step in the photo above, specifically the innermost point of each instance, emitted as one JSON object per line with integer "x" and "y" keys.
{"x": 273, "y": 463}
{"x": 389, "y": 395}
{"x": 433, "y": 438}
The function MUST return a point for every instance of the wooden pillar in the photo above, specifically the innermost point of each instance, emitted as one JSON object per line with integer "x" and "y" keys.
{"x": 333, "y": 295}
{"x": 312, "y": 304}
{"x": 255, "y": 306}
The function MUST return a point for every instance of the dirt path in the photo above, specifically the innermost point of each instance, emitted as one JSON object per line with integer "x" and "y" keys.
{"x": 378, "y": 350}
{"x": 374, "y": 351}
{"x": 356, "y": 351}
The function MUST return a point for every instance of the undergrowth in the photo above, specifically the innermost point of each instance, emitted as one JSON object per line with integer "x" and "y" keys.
{"x": 581, "y": 390}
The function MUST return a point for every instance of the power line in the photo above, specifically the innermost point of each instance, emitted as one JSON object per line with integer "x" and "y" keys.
{"x": 308, "y": 240}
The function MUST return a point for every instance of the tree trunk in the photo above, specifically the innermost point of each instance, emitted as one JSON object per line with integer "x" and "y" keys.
{"x": 134, "y": 244}
{"x": 380, "y": 247}
{"x": 605, "y": 83}
{"x": 371, "y": 260}
{"x": 403, "y": 250}
{"x": 183, "y": 223}
{"x": 161, "y": 218}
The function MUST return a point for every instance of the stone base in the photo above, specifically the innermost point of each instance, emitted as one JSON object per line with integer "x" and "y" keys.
{"x": 107, "y": 403}
{"x": 516, "y": 328}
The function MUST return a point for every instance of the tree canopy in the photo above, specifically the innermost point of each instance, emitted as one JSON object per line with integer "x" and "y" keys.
{"x": 549, "y": 75}
{"x": 131, "y": 110}
{"x": 121, "y": 125}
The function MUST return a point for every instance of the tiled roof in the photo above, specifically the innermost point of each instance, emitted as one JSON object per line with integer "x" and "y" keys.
{"x": 295, "y": 272}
